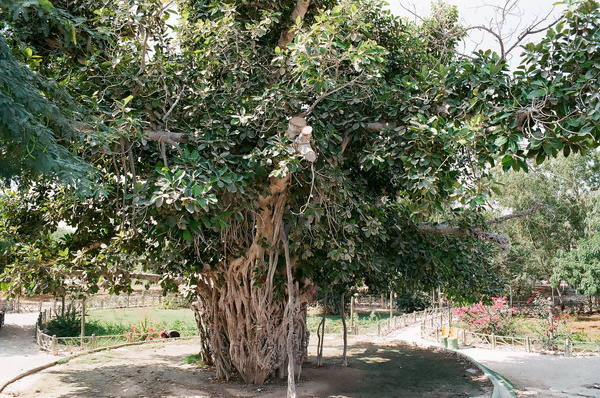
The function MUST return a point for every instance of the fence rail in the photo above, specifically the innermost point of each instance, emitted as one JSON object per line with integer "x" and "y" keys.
{"x": 67, "y": 345}
{"x": 432, "y": 331}
{"x": 387, "y": 326}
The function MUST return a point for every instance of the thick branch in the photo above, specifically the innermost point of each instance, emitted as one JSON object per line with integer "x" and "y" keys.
{"x": 167, "y": 137}
{"x": 378, "y": 126}
{"x": 299, "y": 11}
{"x": 501, "y": 241}
{"x": 523, "y": 213}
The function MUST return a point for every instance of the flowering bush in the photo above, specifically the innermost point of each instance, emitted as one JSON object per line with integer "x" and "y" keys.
{"x": 488, "y": 319}
{"x": 145, "y": 330}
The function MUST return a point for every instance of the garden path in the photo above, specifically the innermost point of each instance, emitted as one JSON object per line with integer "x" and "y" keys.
{"x": 534, "y": 375}
{"x": 18, "y": 350}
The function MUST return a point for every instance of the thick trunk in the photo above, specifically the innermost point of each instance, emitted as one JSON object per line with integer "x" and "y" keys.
{"x": 245, "y": 311}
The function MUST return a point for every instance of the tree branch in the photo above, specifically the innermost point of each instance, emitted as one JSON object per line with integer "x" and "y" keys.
{"x": 168, "y": 137}
{"x": 523, "y": 213}
{"x": 288, "y": 35}
{"x": 499, "y": 240}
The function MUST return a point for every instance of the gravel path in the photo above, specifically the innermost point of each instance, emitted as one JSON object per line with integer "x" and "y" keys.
{"x": 18, "y": 350}
{"x": 534, "y": 375}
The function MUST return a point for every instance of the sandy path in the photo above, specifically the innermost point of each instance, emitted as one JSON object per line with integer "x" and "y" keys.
{"x": 534, "y": 375}
{"x": 18, "y": 350}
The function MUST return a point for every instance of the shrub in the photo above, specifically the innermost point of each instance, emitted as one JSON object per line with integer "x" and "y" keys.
{"x": 67, "y": 325}
{"x": 489, "y": 319}
{"x": 413, "y": 301}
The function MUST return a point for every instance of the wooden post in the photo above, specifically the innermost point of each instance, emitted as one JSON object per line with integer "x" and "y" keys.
{"x": 415, "y": 316}
{"x": 391, "y": 304}
{"x": 527, "y": 343}
{"x": 94, "y": 342}
{"x": 40, "y": 306}
{"x": 82, "y": 321}
{"x": 53, "y": 346}
{"x": 567, "y": 348}
{"x": 379, "y": 329}
{"x": 493, "y": 341}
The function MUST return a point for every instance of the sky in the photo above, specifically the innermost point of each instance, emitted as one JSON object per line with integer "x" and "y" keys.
{"x": 487, "y": 12}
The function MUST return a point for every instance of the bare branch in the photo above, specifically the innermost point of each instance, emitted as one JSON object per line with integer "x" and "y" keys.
{"x": 523, "y": 213}
{"x": 499, "y": 240}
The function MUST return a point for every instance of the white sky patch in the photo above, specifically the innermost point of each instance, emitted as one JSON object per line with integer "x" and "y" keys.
{"x": 518, "y": 16}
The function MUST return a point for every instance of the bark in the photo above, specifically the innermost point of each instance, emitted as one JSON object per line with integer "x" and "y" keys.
{"x": 345, "y": 356}
{"x": 289, "y": 318}
{"x": 500, "y": 240}
{"x": 523, "y": 213}
{"x": 199, "y": 316}
{"x": 321, "y": 332}
{"x": 168, "y": 137}
{"x": 253, "y": 330}
{"x": 299, "y": 11}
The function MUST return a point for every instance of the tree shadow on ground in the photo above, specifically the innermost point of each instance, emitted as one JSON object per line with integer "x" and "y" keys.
{"x": 374, "y": 371}
{"x": 405, "y": 371}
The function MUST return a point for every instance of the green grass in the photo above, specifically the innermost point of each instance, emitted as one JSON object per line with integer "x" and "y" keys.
{"x": 116, "y": 321}
{"x": 195, "y": 360}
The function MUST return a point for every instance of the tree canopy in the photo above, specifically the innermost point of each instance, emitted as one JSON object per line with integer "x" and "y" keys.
{"x": 251, "y": 152}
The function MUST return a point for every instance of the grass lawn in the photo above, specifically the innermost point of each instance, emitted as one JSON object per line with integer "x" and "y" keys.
{"x": 118, "y": 320}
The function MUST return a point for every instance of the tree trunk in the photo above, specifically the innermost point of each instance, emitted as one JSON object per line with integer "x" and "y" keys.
{"x": 321, "y": 332}
{"x": 203, "y": 331}
{"x": 345, "y": 356}
{"x": 245, "y": 311}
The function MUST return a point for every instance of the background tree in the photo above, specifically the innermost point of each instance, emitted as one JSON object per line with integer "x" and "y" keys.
{"x": 566, "y": 187}
{"x": 255, "y": 154}
{"x": 580, "y": 266}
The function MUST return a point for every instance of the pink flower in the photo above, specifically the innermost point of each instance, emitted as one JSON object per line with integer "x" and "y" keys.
{"x": 74, "y": 325}
{"x": 566, "y": 315}
{"x": 527, "y": 334}
{"x": 552, "y": 327}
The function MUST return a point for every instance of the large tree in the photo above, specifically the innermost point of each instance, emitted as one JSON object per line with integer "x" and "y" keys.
{"x": 259, "y": 151}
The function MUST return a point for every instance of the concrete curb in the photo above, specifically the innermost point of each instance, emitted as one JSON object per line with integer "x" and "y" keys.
{"x": 82, "y": 353}
{"x": 503, "y": 388}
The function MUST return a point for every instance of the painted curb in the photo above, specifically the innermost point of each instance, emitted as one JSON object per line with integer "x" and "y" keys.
{"x": 82, "y": 353}
{"x": 503, "y": 388}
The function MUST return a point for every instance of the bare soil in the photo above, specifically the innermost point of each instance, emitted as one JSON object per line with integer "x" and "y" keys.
{"x": 157, "y": 370}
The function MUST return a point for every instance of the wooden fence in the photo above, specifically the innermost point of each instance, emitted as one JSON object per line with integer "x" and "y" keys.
{"x": 68, "y": 345}
{"x": 387, "y": 326}
{"x": 567, "y": 347}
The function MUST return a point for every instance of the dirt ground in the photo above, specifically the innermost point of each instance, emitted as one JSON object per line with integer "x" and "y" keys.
{"x": 156, "y": 370}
